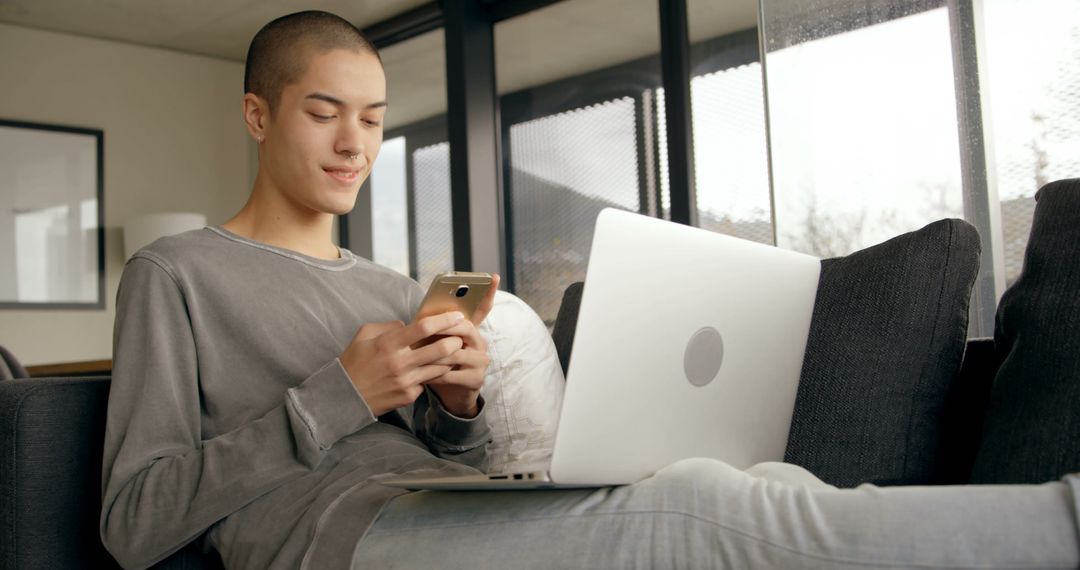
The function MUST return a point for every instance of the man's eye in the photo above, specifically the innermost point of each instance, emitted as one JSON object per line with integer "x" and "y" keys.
{"x": 371, "y": 122}
{"x": 321, "y": 117}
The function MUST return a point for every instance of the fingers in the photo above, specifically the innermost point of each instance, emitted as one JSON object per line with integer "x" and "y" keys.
{"x": 427, "y": 373}
{"x": 489, "y": 300}
{"x": 468, "y": 358}
{"x": 464, "y": 378}
{"x": 427, "y": 326}
{"x": 435, "y": 351}
{"x": 468, "y": 333}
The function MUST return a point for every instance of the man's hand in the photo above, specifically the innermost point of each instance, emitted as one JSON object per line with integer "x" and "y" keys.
{"x": 388, "y": 373}
{"x": 459, "y": 388}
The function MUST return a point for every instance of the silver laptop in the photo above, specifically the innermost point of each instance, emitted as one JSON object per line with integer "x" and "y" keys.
{"x": 688, "y": 344}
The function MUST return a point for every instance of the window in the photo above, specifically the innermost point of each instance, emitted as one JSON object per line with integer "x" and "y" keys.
{"x": 1032, "y": 62}
{"x": 409, "y": 188}
{"x": 863, "y": 123}
{"x": 731, "y": 165}
{"x": 578, "y": 83}
{"x": 433, "y": 238}
{"x": 565, "y": 168}
{"x": 389, "y": 207}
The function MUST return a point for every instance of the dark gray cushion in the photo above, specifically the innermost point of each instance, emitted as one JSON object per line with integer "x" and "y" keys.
{"x": 1032, "y": 426}
{"x": 566, "y": 322}
{"x": 885, "y": 345}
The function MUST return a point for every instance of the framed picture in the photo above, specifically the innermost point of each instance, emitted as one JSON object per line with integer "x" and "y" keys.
{"x": 52, "y": 221}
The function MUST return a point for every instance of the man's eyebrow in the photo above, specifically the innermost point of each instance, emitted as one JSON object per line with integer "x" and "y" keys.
{"x": 335, "y": 101}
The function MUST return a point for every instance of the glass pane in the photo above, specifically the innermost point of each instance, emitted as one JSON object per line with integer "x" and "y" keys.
{"x": 577, "y": 80}
{"x": 661, "y": 151}
{"x": 730, "y": 153}
{"x": 39, "y": 274}
{"x": 411, "y": 226}
{"x": 862, "y": 112}
{"x": 566, "y": 168}
{"x": 389, "y": 207}
{"x": 433, "y": 232}
{"x": 731, "y": 165}
{"x": 49, "y": 217}
{"x": 1033, "y": 61}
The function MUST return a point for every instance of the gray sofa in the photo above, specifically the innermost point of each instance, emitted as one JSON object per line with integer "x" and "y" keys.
{"x": 891, "y": 390}
{"x": 51, "y": 442}
{"x": 53, "y": 430}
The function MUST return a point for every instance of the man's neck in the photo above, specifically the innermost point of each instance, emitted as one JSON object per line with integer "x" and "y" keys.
{"x": 273, "y": 222}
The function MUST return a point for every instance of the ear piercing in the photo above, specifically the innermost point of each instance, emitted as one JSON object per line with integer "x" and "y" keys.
{"x": 259, "y": 138}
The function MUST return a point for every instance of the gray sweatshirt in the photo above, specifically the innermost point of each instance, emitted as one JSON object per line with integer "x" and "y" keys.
{"x": 231, "y": 415}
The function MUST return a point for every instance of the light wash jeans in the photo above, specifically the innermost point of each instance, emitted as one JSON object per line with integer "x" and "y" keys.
{"x": 701, "y": 513}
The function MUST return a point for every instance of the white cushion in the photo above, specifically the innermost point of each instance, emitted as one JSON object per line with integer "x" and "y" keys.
{"x": 523, "y": 387}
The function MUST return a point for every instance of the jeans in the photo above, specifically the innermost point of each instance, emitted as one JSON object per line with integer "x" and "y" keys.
{"x": 701, "y": 513}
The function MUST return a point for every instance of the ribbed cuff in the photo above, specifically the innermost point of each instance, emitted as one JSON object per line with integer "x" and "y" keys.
{"x": 328, "y": 406}
{"x": 452, "y": 433}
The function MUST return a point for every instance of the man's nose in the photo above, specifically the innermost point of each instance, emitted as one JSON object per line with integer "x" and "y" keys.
{"x": 350, "y": 140}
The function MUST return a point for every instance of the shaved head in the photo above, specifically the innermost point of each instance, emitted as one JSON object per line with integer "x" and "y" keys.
{"x": 279, "y": 52}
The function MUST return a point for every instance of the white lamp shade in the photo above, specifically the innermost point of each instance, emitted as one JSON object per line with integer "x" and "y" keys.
{"x": 141, "y": 231}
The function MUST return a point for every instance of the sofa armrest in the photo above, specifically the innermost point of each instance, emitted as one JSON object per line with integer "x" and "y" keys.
{"x": 965, "y": 411}
{"x": 51, "y": 436}
{"x": 52, "y": 432}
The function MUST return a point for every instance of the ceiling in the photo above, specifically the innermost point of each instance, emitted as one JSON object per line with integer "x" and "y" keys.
{"x": 215, "y": 28}
{"x": 561, "y": 40}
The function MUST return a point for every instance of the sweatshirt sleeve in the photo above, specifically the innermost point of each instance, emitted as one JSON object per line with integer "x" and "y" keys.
{"x": 462, "y": 440}
{"x": 163, "y": 485}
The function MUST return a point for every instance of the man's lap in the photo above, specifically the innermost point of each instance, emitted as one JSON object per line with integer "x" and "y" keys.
{"x": 705, "y": 513}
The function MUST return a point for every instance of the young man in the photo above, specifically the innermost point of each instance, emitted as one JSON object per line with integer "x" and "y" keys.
{"x": 262, "y": 376}
{"x": 263, "y": 383}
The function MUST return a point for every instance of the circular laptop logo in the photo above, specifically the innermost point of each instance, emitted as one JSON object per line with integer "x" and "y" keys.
{"x": 703, "y": 356}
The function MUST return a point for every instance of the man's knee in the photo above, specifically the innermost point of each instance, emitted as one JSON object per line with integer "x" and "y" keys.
{"x": 698, "y": 468}
{"x": 700, "y": 477}
{"x": 787, "y": 473}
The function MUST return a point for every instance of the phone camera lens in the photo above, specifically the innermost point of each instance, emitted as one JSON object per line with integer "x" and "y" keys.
{"x": 462, "y": 291}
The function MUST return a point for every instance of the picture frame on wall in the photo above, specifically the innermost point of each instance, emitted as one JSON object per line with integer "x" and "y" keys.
{"x": 52, "y": 216}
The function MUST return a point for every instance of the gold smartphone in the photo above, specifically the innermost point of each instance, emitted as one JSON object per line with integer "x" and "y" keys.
{"x": 455, "y": 291}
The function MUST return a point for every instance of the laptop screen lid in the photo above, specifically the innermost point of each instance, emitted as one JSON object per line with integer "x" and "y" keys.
{"x": 688, "y": 343}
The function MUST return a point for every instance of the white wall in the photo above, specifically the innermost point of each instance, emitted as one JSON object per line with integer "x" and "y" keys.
{"x": 174, "y": 141}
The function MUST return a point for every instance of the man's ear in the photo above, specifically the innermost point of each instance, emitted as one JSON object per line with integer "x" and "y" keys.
{"x": 256, "y": 115}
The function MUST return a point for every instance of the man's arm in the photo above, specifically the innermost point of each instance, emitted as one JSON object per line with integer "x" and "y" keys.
{"x": 392, "y": 375}
{"x": 463, "y": 440}
{"x": 163, "y": 485}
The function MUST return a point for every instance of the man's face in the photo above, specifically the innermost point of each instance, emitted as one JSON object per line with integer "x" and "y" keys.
{"x": 326, "y": 132}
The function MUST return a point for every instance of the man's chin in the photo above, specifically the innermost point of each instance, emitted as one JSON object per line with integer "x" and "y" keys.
{"x": 340, "y": 207}
{"x": 336, "y": 210}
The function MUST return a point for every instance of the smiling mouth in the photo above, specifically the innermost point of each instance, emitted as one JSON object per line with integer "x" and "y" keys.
{"x": 343, "y": 176}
